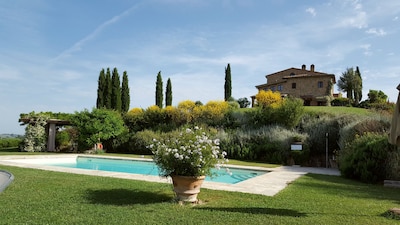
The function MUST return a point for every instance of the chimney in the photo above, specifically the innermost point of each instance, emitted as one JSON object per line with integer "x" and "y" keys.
{"x": 303, "y": 67}
{"x": 312, "y": 68}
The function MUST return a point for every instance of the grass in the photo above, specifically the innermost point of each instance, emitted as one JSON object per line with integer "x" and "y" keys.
{"x": 340, "y": 110}
{"x": 46, "y": 197}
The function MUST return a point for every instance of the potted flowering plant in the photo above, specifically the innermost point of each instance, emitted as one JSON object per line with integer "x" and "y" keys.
{"x": 187, "y": 156}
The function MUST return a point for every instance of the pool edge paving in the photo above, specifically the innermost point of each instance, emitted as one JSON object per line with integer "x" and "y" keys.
{"x": 268, "y": 184}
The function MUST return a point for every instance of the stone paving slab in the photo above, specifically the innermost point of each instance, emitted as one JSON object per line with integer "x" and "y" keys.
{"x": 268, "y": 184}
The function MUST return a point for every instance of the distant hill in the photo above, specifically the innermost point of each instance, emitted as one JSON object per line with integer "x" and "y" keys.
{"x": 11, "y": 136}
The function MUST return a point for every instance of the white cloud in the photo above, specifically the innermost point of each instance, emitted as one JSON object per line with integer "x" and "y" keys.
{"x": 366, "y": 48}
{"x": 311, "y": 11}
{"x": 377, "y": 32}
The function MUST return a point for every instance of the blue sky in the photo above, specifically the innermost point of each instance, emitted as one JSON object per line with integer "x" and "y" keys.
{"x": 52, "y": 51}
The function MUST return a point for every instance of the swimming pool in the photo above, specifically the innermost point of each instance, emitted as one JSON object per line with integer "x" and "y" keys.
{"x": 232, "y": 176}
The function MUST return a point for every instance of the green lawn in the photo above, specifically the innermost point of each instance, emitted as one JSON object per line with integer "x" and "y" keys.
{"x": 340, "y": 110}
{"x": 46, "y": 197}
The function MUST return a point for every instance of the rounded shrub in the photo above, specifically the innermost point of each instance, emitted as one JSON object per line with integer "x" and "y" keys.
{"x": 365, "y": 158}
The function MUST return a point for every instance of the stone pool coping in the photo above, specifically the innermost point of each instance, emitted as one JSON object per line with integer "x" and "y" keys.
{"x": 268, "y": 184}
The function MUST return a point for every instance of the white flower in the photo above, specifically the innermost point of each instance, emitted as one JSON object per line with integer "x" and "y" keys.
{"x": 176, "y": 155}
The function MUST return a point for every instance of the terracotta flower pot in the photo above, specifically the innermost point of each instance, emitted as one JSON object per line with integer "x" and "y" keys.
{"x": 187, "y": 187}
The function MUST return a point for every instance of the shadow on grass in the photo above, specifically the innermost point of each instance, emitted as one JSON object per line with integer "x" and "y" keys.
{"x": 124, "y": 197}
{"x": 257, "y": 210}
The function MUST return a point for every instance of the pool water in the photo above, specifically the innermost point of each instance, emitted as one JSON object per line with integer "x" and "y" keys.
{"x": 232, "y": 176}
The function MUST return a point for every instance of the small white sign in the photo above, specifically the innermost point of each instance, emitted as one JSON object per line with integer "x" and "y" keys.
{"x": 296, "y": 147}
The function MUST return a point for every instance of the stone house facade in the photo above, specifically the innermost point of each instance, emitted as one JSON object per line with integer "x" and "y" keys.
{"x": 315, "y": 88}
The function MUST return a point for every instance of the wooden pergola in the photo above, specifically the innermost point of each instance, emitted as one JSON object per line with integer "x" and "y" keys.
{"x": 50, "y": 130}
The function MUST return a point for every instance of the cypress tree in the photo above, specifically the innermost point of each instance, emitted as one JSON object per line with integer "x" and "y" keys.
{"x": 357, "y": 86}
{"x": 125, "y": 97}
{"x": 228, "y": 84}
{"x": 159, "y": 90}
{"x": 168, "y": 93}
{"x": 100, "y": 90}
{"x": 116, "y": 91}
{"x": 107, "y": 90}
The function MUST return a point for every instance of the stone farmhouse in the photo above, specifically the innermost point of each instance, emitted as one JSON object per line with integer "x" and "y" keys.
{"x": 315, "y": 88}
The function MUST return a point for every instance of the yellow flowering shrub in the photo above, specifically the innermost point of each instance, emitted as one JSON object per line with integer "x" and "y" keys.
{"x": 269, "y": 99}
{"x": 135, "y": 111}
{"x": 186, "y": 110}
{"x": 215, "y": 110}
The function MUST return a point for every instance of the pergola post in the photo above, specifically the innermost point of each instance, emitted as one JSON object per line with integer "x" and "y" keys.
{"x": 51, "y": 140}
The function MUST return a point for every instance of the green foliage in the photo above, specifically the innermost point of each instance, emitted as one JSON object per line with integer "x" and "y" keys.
{"x": 287, "y": 112}
{"x": 101, "y": 89}
{"x": 359, "y": 126}
{"x": 116, "y": 102}
{"x": 63, "y": 140}
{"x": 228, "y": 83}
{"x": 11, "y": 142}
{"x": 351, "y": 83}
{"x": 168, "y": 93}
{"x": 365, "y": 158}
{"x": 268, "y": 144}
{"x": 159, "y": 91}
{"x": 341, "y": 102}
{"x": 290, "y": 112}
{"x": 125, "y": 95}
{"x": 243, "y": 102}
{"x": 97, "y": 126}
{"x": 108, "y": 90}
{"x": 35, "y": 135}
{"x": 317, "y": 126}
{"x": 375, "y": 96}
{"x": 139, "y": 142}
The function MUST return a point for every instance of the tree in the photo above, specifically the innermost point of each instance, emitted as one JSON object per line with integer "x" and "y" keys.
{"x": 159, "y": 91}
{"x": 97, "y": 126}
{"x": 351, "y": 83}
{"x": 107, "y": 90}
{"x": 357, "y": 86}
{"x": 228, "y": 83}
{"x": 125, "y": 97}
{"x": 100, "y": 90}
{"x": 375, "y": 96}
{"x": 243, "y": 102}
{"x": 168, "y": 93}
{"x": 116, "y": 91}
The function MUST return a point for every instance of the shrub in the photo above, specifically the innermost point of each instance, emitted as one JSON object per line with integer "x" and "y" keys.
{"x": 359, "y": 126}
{"x": 213, "y": 112}
{"x": 140, "y": 140}
{"x": 289, "y": 112}
{"x": 341, "y": 102}
{"x": 269, "y": 143}
{"x": 10, "y": 142}
{"x": 268, "y": 99}
{"x": 365, "y": 158}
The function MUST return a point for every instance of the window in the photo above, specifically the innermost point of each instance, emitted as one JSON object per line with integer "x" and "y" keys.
{"x": 273, "y": 88}
{"x": 280, "y": 88}
{"x": 320, "y": 84}
{"x": 292, "y": 74}
{"x": 293, "y": 85}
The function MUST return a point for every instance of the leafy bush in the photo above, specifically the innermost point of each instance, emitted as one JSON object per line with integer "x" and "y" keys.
{"x": 10, "y": 142}
{"x": 359, "y": 126}
{"x": 290, "y": 112}
{"x": 365, "y": 158}
{"x": 341, "y": 102}
{"x": 100, "y": 125}
{"x": 269, "y": 143}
